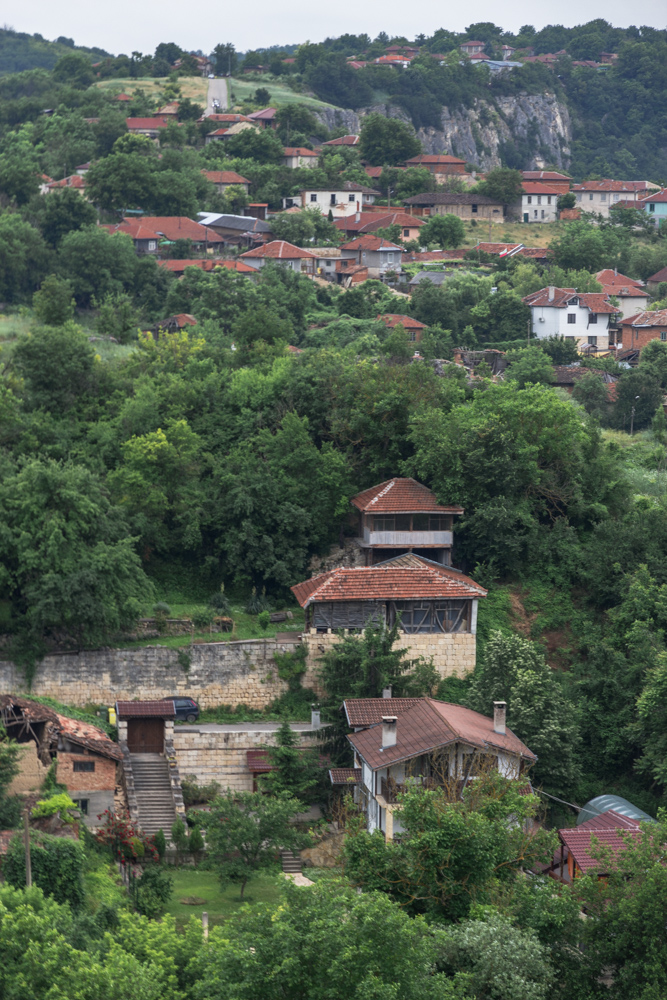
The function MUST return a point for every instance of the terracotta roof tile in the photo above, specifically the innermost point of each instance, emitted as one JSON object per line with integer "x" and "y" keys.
{"x": 145, "y": 709}
{"x": 147, "y": 123}
{"x": 611, "y": 277}
{"x": 207, "y": 264}
{"x": 658, "y": 317}
{"x": 401, "y": 495}
{"x": 370, "y": 243}
{"x": 659, "y": 276}
{"x": 533, "y": 187}
{"x": 429, "y": 158}
{"x": 407, "y": 322}
{"x": 89, "y": 736}
{"x": 177, "y": 227}
{"x": 578, "y": 843}
{"x": 609, "y": 185}
{"x": 364, "y": 712}
{"x": 298, "y": 151}
{"x": 559, "y": 298}
{"x": 413, "y": 578}
{"x": 431, "y": 724}
{"x": 543, "y": 175}
{"x": 391, "y": 219}
{"x": 344, "y": 140}
{"x": 279, "y": 250}
{"x": 345, "y": 775}
{"x": 658, "y": 196}
{"x": 224, "y": 177}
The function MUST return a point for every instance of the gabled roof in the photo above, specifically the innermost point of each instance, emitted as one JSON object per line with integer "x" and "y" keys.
{"x": 658, "y": 196}
{"x": 401, "y": 495}
{"x": 364, "y": 712}
{"x": 406, "y": 579}
{"x": 370, "y": 243}
{"x": 207, "y": 264}
{"x": 298, "y": 151}
{"x": 344, "y": 140}
{"x": 19, "y": 710}
{"x": 391, "y": 320}
{"x": 147, "y": 123}
{"x": 559, "y": 298}
{"x": 178, "y": 227}
{"x": 133, "y": 228}
{"x": 610, "y": 276}
{"x": 224, "y": 177}
{"x": 430, "y": 725}
{"x": 624, "y": 291}
{"x": 659, "y": 276}
{"x": 279, "y": 250}
{"x": 265, "y": 115}
{"x": 609, "y": 185}
{"x": 390, "y": 219}
{"x": 647, "y": 319}
{"x": 74, "y": 181}
{"x": 242, "y": 223}
{"x": 606, "y": 828}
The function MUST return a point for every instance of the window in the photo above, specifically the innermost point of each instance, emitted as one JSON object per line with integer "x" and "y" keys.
{"x": 593, "y": 341}
{"x": 579, "y": 196}
{"x": 542, "y": 213}
{"x": 590, "y": 197}
{"x": 82, "y": 805}
{"x": 530, "y": 199}
{"x": 593, "y": 318}
{"x": 332, "y": 199}
{"x": 617, "y": 197}
{"x": 391, "y": 522}
{"x": 432, "y": 616}
{"x": 572, "y": 317}
{"x": 474, "y": 209}
{"x": 406, "y": 232}
{"x": 535, "y": 214}
{"x": 651, "y": 207}
{"x": 603, "y": 197}
{"x": 152, "y": 244}
{"x": 346, "y": 614}
{"x": 412, "y": 522}
{"x": 548, "y": 199}
{"x": 539, "y": 199}
{"x": 663, "y": 335}
{"x": 351, "y": 197}
{"x": 313, "y": 197}
{"x": 84, "y": 765}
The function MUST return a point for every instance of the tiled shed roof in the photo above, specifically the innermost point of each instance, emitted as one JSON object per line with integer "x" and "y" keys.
{"x": 431, "y": 724}
{"x": 89, "y": 736}
{"x": 364, "y": 712}
{"x": 145, "y": 709}
{"x": 415, "y": 579}
{"x": 578, "y": 843}
{"x": 647, "y": 319}
{"x": 345, "y": 775}
{"x": 401, "y": 495}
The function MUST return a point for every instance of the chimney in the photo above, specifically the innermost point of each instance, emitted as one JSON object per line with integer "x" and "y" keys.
{"x": 386, "y": 692}
{"x": 389, "y": 730}
{"x": 357, "y": 217}
{"x": 315, "y": 717}
{"x": 499, "y": 712}
{"x": 552, "y": 292}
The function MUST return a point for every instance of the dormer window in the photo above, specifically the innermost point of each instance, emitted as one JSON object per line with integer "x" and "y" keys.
{"x": 573, "y": 302}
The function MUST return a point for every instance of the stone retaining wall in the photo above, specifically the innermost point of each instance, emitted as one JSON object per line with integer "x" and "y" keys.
{"x": 229, "y": 673}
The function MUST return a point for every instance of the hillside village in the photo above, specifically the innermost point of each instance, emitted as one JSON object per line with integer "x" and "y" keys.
{"x": 333, "y": 430}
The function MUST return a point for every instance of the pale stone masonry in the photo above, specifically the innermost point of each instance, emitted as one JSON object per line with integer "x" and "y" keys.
{"x": 219, "y": 752}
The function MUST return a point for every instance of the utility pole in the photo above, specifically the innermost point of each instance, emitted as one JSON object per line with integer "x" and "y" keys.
{"x": 26, "y": 840}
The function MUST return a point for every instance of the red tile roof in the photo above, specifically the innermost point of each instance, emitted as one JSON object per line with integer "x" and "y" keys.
{"x": 133, "y": 228}
{"x": 364, "y": 712}
{"x": 265, "y": 115}
{"x": 657, "y": 196}
{"x": 624, "y": 291}
{"x": 122, "y": 97}
{"x": 404, "y": 495}
{"x": 370, "y": 243}
{"x": 559, "y": 298}
{"x": 279, "y": 250}
{"x": 659, "y": 276}
{"x": 609, "y": 820}
{"x": 647, "y": 319}
{"x": 432, "y": 724}
{"x": 414, "y": 578}
{"x": 219, "y": 131}
{"x": 224, "y": 177}
{"x": 225, "y": 117}
{"x": 298, "y": 151}
{"x": 88, "y": 736}
{"x": 609, "y": 276}
{"x": 145, "y": 709}
{"x": 609, "y": 185}
{"x": 533, "y": 187}
{"x": 147, "y": 123}
{"x": 345, "y": 775}
{"x": 435, "y": 159}
{"x": 178, "y": 227}
{"x": 578, "y": 843}
{"x": 344, "y": 140}
{"x": 390, "y": 219}
{"x": 75, "y": 181}
{"x": 391, "y": 320}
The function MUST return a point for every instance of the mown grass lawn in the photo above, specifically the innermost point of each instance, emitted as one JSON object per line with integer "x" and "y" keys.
{"x": 244, "y": 90}
{"x": 219, "y": 902}
{"x": 194, "y": 87}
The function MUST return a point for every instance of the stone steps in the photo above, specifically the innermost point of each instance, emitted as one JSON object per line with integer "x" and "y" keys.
{"x": 152, "y": 786}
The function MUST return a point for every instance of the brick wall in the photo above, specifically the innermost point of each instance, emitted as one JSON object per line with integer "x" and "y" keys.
{"x": 230, "y": 673}
{"x": 221, "y": 756}
{"x": 453, "y": 654}
{"x": 103, "y": 778}
{"x": 633, "y": 339}
{"x": 31, "y": 771}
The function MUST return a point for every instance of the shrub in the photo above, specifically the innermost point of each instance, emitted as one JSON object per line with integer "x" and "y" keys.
{"x": 153, "y": 891}
{"x": 184, "y": 661}
{"x": 59, "y": 803}
{"x": 160, "y": 843}
{"x": 264, "y": 620}
{"x": 194, "y": 794}
{"x": 219, "y": 602}
{"x": 124, "y": 839}
{"x": 196, "y": 843}
{"x": 161, "y": 609}
{"x": 57, "y": 866}
{"x": 179, "y": 836}
{"x": 202, "y": 618}
{"x": 257, "y": 603}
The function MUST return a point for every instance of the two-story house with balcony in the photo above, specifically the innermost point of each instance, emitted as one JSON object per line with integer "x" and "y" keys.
{"x": 398, "y": 742}
{"x": 401, "y": 515}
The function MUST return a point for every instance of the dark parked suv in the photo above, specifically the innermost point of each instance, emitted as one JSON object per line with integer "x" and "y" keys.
{"x": 186, "y": 708}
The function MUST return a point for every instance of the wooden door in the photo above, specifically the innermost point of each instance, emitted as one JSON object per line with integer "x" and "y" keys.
{"x": 145, "y": 735}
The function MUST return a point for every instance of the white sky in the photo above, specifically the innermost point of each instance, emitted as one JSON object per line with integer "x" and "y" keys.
{"x": 142, "y": 24}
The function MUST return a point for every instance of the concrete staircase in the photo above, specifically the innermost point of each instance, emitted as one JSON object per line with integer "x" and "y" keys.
{"x": 152, "y": 786}
{"x": 291, "y": 863}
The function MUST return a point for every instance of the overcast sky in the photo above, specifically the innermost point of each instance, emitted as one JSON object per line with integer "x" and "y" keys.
{"x": 125, "y": 25}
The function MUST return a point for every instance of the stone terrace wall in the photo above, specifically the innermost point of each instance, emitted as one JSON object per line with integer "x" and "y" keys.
{"x": 453, "y": 653}
{"x": 221, "y": 756}
{"x": 229, "y": 673}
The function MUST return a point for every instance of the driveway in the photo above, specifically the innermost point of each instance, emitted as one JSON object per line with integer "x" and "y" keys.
{"x": 217, "y": 91}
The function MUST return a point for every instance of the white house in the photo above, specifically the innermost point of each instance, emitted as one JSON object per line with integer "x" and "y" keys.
{"x": 600, "y": 196}
{"x": 400, "y": 742}
{"x": 631, "y": 295}
{"x": 299, "y": 156}
{"x": 281, "y": 252}
{"x": 378, "y": 255}
{"x": 539, "y": 202}
{"x": 563, "y": 312}
{"x": 347, "y": 199}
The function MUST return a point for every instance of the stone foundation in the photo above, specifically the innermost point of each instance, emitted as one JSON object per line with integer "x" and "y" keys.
{"x": 453, "y": 654}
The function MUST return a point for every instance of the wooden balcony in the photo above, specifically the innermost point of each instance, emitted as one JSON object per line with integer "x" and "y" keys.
{"x": 408, "y": 539}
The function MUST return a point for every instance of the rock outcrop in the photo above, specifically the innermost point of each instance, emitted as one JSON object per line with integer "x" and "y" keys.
{"x": 537, "y": 126}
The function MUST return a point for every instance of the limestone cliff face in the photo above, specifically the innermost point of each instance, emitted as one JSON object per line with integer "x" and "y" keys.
{"x": 538, "y": 125}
